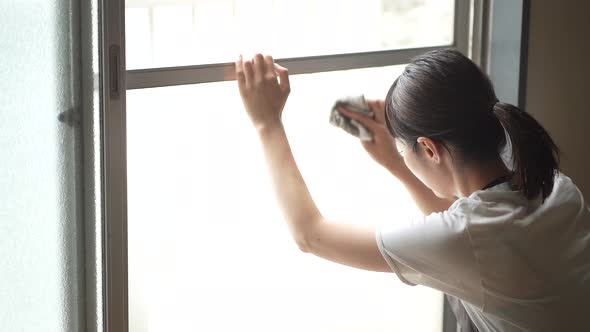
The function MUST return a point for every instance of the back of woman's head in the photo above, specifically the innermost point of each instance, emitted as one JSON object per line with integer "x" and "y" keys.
{"x": 444, "y": 96}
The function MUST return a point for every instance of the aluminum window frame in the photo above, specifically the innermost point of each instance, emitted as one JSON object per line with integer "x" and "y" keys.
{"x": 116, "y": 80}
{"x": 112, "y": 45}
{"x": 170, "y": 76}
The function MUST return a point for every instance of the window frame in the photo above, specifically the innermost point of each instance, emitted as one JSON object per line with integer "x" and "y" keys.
{"x": 169, "y": 76}
{"x": 116, "y": 80}
{"x": 114, "y": 172}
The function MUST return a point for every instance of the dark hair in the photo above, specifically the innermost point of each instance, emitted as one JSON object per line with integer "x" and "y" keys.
{"x": 444, "y": 96}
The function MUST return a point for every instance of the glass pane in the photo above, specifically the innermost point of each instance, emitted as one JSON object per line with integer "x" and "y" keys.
{"x": 163, "y": 33}
{"x": 208, "y": 248}
{"x": 42, "y": 271}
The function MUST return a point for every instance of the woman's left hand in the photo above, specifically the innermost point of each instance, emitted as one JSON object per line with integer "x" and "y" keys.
{"x": 264, "y": 87}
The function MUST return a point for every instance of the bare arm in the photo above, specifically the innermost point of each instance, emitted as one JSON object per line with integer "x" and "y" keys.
{"x": 264, "y": 95}
{"x": 382, "y": 149}
{"x": 351, "y": 245}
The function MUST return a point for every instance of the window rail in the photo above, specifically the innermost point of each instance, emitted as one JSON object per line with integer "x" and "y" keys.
{"x": 169, "y": 76}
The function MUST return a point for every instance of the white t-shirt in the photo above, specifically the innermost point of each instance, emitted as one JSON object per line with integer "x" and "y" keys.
{"x": 516, "y": 264}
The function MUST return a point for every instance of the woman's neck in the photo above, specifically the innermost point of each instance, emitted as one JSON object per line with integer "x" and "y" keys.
{"x": 472, "y": 177}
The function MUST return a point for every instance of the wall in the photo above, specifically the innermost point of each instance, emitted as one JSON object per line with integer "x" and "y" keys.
{"x": 558, "y": 81}
{"x": 41, "y": 270}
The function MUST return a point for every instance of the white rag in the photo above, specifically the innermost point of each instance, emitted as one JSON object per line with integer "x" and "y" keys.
{"x": 356, "y": 104}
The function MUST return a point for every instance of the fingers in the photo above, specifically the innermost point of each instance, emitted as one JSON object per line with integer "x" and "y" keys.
{"x": 366, "y": 121}
{"x": 240, "y": 76}
{"x": 378, "y": 106}
{"x": 368, "y": 144}
{"x": 269, "y": 65}
{"x": 259, "y": 67}
{"x": 283, "y": 74}
{"x": 248, "y": 71}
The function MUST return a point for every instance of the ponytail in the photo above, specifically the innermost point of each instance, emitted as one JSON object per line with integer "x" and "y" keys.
{"x": 446, "y": 97}
{"x": 535, "y": 156}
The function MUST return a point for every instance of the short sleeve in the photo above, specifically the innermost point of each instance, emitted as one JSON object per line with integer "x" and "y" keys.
{"x": 434, "y": 251}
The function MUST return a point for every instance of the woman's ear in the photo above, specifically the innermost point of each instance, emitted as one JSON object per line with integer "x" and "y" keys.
{"x": 431, "y": 149}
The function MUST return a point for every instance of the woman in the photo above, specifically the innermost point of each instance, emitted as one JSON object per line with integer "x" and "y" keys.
{"x": 510, "y": 245}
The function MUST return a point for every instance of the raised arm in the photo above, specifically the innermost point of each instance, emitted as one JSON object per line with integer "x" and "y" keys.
{"x": 383, "y": 150}
{"x": 264, "y": 88}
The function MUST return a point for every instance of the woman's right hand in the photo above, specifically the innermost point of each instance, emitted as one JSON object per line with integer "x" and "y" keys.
{"x": 382, "y": 148}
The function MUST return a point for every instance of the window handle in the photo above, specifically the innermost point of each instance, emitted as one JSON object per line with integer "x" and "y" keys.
{"x": 114, "y": 63}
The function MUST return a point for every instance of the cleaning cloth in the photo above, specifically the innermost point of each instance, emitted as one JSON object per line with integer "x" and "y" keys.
{"x": 355, "y": 104}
